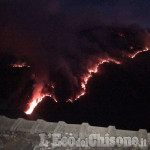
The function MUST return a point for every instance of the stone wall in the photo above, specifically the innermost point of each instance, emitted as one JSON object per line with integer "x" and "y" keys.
{"x": 20, "y": 134}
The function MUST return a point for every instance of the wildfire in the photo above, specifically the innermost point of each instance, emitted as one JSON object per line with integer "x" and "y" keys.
{"x": 38, "y": 97}
{"x": 20, "y": 65}
{"x": 94, "y": 70}
{"x": 90, "y": 73}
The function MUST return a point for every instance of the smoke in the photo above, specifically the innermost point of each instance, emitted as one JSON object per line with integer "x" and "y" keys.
{"x": 61, "y": 47}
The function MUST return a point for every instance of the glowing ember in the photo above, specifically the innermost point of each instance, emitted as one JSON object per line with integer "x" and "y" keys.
{"x": 19, "y": 65}
{"x": 121, "y": 35}
{"x": 69, "y": 100}
{"x": 131, "y": 47}
{"x": 138, "y": 52}
{"x": 53, "y": 86}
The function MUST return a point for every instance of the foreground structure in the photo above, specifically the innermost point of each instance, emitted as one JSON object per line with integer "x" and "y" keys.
{"x": 20, "y": 134}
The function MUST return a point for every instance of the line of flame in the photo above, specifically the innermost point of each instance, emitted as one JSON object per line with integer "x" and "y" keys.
{"x": 138, "y": 52}
{"x": 36, "y": 101}
{"x": 84, "y": 81}
{"x": 89, "y": 75}
{"x": 94, "y": 70}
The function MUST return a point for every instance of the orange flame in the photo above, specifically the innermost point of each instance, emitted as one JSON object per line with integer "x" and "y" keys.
{"x": 35, "y": 102}
{"x": 86, "y": 77}
{"x": 94, "y": 70}
{"x": 138, "y": 52}
{"x": 84, "y": 81}
{"x": 20, "y": 65}
{"x": 38, "y": 98}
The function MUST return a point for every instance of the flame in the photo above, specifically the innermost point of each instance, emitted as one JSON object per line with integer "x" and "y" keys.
{"x": 36, "y": 101}
{"x": 138, "y": 52}
{"x": 20, "y": 65}
{"x": 82, "y": 94}
{"x": 94, "y": 70}
{"x": 38, "y": 98}
{"x": 89, "y": 75}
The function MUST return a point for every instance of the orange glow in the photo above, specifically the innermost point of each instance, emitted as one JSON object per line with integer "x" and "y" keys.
{"x": 38, "y": 98}
{"x": 35, "y": 102}
{"x": 19, "y": 65}
{"x": 131, "y": 47}
{"x": 90, "y": 73}
{"x": 53, "y": 86}
{"x": 78, "y": 96}
{"x": 121, "y": 35}
{"x": 70, "y": 100}
{"x": 94, "y": 70}
{"x": 138, "y": 52}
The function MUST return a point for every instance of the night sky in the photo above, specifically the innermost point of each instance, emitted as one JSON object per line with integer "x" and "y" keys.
{"x": 60, "y": 40}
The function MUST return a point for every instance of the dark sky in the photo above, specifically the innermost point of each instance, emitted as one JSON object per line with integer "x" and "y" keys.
{"x": 129, "y": 11}
{"x": 60, "y": 39}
